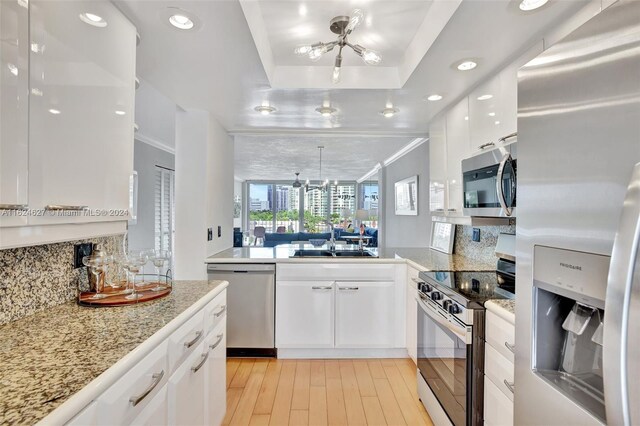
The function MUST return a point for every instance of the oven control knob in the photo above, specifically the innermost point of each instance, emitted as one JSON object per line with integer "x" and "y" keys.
{"x": 426, "y": 288}
{"x": 446, "y": 304}
{"x": 436, "y": 295}
{"x": 454, "y": 308}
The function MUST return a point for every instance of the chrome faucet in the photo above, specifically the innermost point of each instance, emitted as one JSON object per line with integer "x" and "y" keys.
{"x": 332, "y": 241}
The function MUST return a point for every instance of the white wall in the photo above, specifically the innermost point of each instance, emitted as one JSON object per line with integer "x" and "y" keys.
{"x": 204, "y": 191}
{"x": 155, "y": 117}
{"x": 145, "y": 159}
{"x": 407, "y": 231}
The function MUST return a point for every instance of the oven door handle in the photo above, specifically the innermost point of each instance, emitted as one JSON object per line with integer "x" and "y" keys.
{"x": 499, "y": 187}
{"x": 458, "y": 330}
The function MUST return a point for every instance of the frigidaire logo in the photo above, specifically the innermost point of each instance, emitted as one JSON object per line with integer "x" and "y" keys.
{"x": 569, "y": 266}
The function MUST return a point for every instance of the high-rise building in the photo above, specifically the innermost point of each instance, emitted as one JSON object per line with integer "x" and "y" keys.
{"x": 343, "y": 197}
{"x": 255, "y": 204}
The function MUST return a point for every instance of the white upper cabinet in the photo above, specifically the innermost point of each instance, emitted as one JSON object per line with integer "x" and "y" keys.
{"x": 81, "y": 108}
{"x": 487, "y": 113}
{"x": 14, "y": 109}
{"x": 437, "y": 165}
{"x": 458, "y": 148}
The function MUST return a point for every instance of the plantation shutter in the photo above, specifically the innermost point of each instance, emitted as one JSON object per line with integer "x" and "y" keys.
{"x": 164, "y": 208}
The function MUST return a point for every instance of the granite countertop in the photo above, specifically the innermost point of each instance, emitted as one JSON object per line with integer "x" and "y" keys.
{"x": 421, "y": 258}
{"x": 506, "y": 308}
{"x": 47, "y": 357}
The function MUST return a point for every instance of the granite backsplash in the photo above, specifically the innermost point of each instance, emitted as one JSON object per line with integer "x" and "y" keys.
{"x": 484, "y": 250}
{"x": 38, "y": 277}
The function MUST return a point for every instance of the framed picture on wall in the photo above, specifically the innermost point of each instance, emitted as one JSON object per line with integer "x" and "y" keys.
{"x": 407, "y": 196}
{"x": 442, "y": 236}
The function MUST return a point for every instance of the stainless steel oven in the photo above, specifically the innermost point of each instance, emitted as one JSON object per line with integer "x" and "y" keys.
{"x": 489, "y": 183}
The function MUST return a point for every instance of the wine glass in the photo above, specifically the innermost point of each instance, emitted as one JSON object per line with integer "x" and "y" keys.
{"x": 97, "y": 266}
{"x": 149, "y": 254}
{"x": 121, "y": 261}
{"x": 158, "y": 258}
{"x": 135, "y": 262}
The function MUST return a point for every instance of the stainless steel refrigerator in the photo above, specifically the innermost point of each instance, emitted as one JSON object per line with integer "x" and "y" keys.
{"x": 578, "y": 229}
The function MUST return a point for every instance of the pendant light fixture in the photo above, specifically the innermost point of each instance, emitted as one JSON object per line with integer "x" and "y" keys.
{"x": 296, "y": 183}
{"x": 324, "y": 184}
{"x": 343, "y": 26}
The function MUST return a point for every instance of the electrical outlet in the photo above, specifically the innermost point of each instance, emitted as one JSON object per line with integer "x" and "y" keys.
{"x": 219, "y": 231}
{"x": 476, "y": 235}
{"x": 80, "y": 251}
{"x": 209, "y": 234}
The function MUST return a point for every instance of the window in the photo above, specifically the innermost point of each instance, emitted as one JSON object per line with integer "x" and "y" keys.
{"x": 287, "y": 208}
{"x": 164, "y": 208}
{"x": 261, "y": 206}
{"x": 343, "y": 204}
{"x": 368, "y": 200}
{"x": 316, "y": 209}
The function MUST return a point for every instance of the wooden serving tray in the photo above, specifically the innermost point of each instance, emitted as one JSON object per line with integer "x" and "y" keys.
{"x": 116, "y": 296}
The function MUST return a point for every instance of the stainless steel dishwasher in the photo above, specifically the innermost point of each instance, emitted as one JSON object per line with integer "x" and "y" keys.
{"x": 250, "y": 307}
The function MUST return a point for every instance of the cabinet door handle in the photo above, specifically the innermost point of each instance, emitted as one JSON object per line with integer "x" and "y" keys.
{"x": 194, "y": 341}
{"x": 486, "y": 145}
{"x": 57, "y": 207}
{"x": 512, "y": 348}
{"x": 14, "y": 206}
{"x": 215, "y": 345}
{"x": 509, "y": 136}
{"x": 201, "y": 363}
{"x": 511, "y": 386}
{"x": 348, "y": 288}
{"x": 157, "y": 377}
{"x": 222, "y": 310}
{"x": 321, "y": 287}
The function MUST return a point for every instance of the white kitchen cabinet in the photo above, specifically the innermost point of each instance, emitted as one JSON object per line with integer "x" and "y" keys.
{"x": 487, "y": 112}
{"x": 14, "y": 110}
{"x": 412, "y": 314}
{"x": 155, "y": 413}
{"x": 364, "y": 314}
{"x": 216, "y": 373}
{"x": 437, "y": 165}
{"x": 458, "y": 148}
{"x": 498, "y": 409}
{"x": 81, "y": 109}
{"x": 305, "y": 314}
{"x": 186, "y": 389}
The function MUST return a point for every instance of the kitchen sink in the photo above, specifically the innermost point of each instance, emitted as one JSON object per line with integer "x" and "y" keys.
{"x": 329, "y": 253}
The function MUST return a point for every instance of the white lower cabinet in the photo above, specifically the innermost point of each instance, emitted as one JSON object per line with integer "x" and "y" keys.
{"x": 499, "y": 386}
{"x": 305, "y": 314}
{"x": 155, "y": 392}
{"x": 498, "y": 409}
{"x": 216, "y": 373}
{"x": 364, "y": 313}
{"x": 186, "y": 389}
{"x": 411, "y": 314}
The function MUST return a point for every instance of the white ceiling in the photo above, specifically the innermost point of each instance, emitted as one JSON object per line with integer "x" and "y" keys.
{"x": 279, "y": 157}
{"x": 218, "y": 68}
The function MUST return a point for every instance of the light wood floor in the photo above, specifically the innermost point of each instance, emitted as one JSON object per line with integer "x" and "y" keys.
{"x": 323, "y": 392}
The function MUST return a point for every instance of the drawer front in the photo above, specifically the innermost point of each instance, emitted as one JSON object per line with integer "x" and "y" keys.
{"x": 337, "y": 271}
{"x": 216, "y": 374}
{"x": 128, "y": 397}
{"x": 499, "y": 370}
{"x": 498, "y": 409}
{"x": 500, "y": 334}
{"x": 85, "y": 417}
{"x": 185, "y": 339}
{"x": 215, "y": 311}
{"x": 186, "y": 396}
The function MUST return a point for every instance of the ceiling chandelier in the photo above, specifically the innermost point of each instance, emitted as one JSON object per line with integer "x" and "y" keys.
{"x": 324, "y": 184}
{"x": 343, "y": 26}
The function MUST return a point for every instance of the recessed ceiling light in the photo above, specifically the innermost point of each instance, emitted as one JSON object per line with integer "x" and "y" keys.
{"x": 302, "y": 10}
{"x": 326, "y": 111}
{"x": 265, "y": 109}
{"x": 497, "y": 122}
{"x": 389, "y": 112}
{"x": 54, "y": 111}
{"x": 484, "y": 97}
{"x": 181, "y": 21}
{"x": 37, "y": 48}
{"x": 467, "y": 65}
{"x": 93, "y": 19}
{"x": 527, "y": 5}
{"x": 466, "y": 118}
{"x": 492, "y": 114}
{"x": 120, "y": 112}
{"x": 434, "y": 98}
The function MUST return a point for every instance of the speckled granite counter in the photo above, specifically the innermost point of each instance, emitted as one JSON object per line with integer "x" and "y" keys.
{"x": 47, "y": 357}
{"x": 420, "y": 258}
{"x": 506, "y": 308}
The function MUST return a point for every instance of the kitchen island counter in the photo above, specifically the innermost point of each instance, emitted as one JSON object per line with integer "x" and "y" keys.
{"x": 419, "y": 258}
{"x": 48, "y": 357}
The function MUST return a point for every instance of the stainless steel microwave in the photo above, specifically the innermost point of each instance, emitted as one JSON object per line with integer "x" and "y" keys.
{"x": 489, "y": 182}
